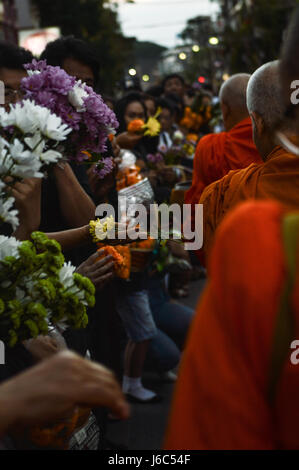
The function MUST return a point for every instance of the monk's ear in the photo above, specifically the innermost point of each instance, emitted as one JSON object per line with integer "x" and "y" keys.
{"x": 257, "y": 123}
{"x": 225, "y": 109}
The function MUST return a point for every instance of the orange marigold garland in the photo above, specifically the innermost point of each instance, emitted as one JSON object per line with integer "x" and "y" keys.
{"x": 121, "y": 256}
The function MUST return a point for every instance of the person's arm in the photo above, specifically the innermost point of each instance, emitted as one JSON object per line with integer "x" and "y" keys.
{"x": 76, "y": 206}
{"x": 73, "y": 238}
{"x": 77, "y": 237}
{"x": 27, "y": 194}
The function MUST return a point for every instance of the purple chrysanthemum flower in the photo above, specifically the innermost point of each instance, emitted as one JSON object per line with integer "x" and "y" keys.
{"x": 77, "y": 104}
{"x": 154, "y": 158}
{"x": 38, "y": 65}
{"x": 104, "y": 167}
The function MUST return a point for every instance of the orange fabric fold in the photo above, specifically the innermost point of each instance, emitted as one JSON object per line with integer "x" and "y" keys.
{"x": 217, "y": 154}
{"x": 220, "y": 400}
{"x": 277, "y": 178}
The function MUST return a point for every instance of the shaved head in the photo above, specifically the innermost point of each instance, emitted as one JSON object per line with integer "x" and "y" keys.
{"x": 233, "y": 100}
{"x": 233, "y": 92}
{"x": 264, "y": 95}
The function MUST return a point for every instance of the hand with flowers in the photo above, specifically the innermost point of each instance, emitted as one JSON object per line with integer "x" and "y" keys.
{"x": 99, "y": 271}
{"x": 113, "y": 233}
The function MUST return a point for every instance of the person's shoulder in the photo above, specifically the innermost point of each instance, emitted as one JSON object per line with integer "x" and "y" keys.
{"x": 211, "y": 139}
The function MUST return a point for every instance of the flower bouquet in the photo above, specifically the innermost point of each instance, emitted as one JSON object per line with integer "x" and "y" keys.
{"x": 39, "y": 290}
{"x": 91, "y": 121}
{"x": 150, "y": 128}
{"x": 29, "y": 136}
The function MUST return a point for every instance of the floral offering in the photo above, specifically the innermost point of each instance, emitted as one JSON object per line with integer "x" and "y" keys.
{"x": 102, "y": 229}
{"x": 29, "y": 139}
{"x": 151, "y": 128}
{"x": 77, "y": 104}
{"x": 121, "y": 257}
{"x": 39, "y": 290}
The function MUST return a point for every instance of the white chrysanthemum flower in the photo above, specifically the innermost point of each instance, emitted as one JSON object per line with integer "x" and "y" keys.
{"x": 6, "y": 119}
{"x": 8, "y": 214}
{"x": 50, "y": 156}
{"x": 53, "y": 127}
{"x": 8, "y": 247}
{"x": 22, "y": 115}
{"x": 66, "y": 275}
{"x": 36, "y": 143}
{"x": 76, "y": 97}
{"x": 26, "y": 163}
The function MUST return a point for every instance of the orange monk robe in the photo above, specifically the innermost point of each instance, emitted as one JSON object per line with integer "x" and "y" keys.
{"x": 220, "y": 400}
{"x": 277, "y": 178}
{"x": 217, "y": 154}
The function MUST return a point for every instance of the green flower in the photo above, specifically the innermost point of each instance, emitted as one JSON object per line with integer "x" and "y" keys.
{"x": 46, "y": 289}
{"x": 84, "y": 283}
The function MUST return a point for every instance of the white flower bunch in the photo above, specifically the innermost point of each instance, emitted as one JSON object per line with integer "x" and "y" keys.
{"x": 29, "y": 135}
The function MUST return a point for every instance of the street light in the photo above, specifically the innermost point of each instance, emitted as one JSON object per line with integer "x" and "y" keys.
{"x": 214, "y": 41}
{"x": 146, "y": 78}
{"x": 132, "y": 72}
{"x": 195, "y": 48}
{"x": 182, "y": 56}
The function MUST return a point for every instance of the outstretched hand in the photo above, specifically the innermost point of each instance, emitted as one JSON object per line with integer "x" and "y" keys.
{"x": 54, "y": 388}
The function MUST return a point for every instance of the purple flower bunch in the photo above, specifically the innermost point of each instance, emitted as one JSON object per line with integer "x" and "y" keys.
{"x": 77, "y": 104}
{"x": 155, "y": 158}
{"x": 104, "y": 167}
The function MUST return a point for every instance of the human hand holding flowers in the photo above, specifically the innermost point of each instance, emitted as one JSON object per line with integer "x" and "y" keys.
{"x": 99, "y": 271}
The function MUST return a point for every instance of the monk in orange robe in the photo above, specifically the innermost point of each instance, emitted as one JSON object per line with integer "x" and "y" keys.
{"x": 217, "y": 154}
{"x": 238, "y": 383}
{"x": 277, "y": 178}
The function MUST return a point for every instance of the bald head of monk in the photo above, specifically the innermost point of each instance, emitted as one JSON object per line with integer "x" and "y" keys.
{"x": 233, "y": 100}
{"x": 266, "y": 107}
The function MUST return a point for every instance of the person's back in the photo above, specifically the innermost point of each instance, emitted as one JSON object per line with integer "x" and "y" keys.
{"x": 234, "y": 391}
{"x": 277, "y": 178}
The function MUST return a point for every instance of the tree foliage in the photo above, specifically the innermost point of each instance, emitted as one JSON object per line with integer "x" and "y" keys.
{"x": 93, "y": 21}
{"x": 253, "y": 31}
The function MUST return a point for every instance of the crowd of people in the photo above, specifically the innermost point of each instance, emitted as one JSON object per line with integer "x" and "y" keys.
{"x": 236, "y": 386}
